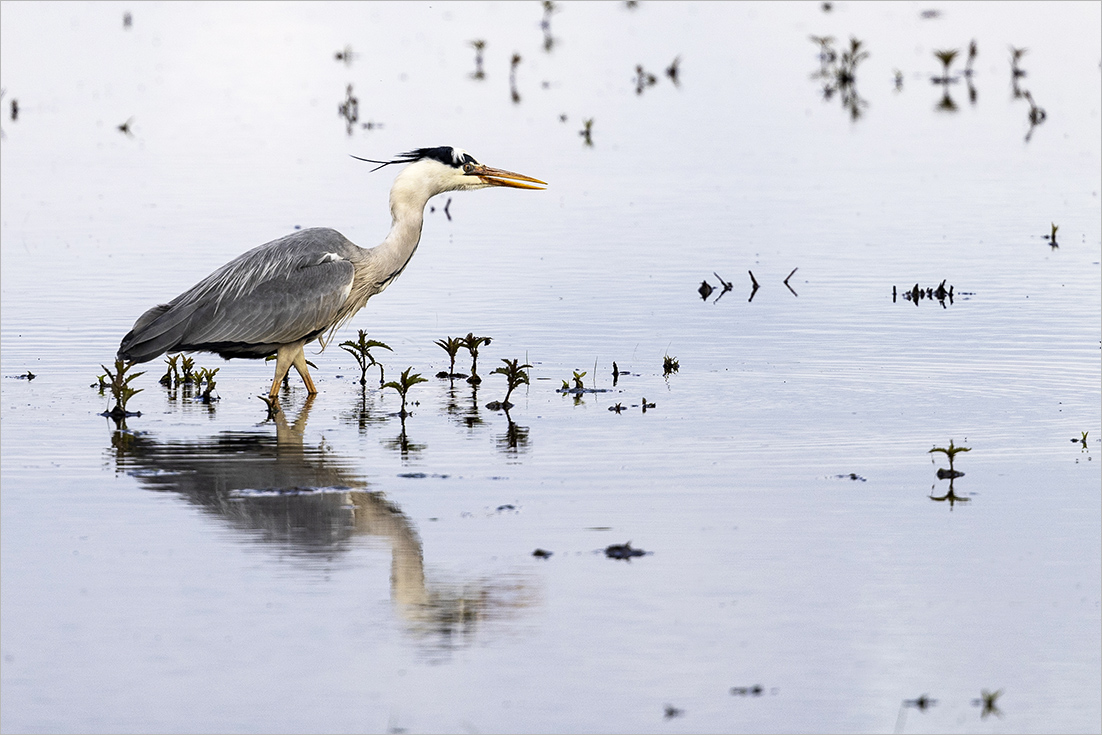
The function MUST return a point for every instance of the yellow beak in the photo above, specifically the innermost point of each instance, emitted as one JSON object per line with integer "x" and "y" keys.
{"x": 499, "y": 177}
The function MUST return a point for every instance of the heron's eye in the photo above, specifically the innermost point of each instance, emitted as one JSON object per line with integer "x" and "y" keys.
{"x": 468, "y": 167}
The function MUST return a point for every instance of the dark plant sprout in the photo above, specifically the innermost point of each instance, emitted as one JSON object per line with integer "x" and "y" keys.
{"x": 361, "y": 351}
{"x": 513, "y": 64}
{"x": 186, "y": 365}
{"x": 206, "y": 375}
{"x": 549, "y": 8}
{"x": 403, "y": 384}
{"x": 451, "y": 345}
{"x": 951, "y": 451}
{"x": 578, "y": 380}
{"x": 119, "y": 383}
{"x": 988, "y": 701}
{"x": 587, "y": 132}
{"x": 670, "y": 365}
{"x": 472, "y": 343}
{"x": 514, "y": 376}
{"x": 171, "y": 378}
{"x": 946, "y": 57}
{"x": 478, "y": 45}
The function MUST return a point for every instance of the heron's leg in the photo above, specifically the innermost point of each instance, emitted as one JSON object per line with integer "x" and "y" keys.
{"x": 285, "y": 357}
{"x": 300, "y": 365}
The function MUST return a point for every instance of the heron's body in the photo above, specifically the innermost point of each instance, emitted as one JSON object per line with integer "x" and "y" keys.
{"x": 276, "y": 298}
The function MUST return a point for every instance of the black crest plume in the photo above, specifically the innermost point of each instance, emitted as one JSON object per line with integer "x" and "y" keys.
{"x": 445, "y": 154}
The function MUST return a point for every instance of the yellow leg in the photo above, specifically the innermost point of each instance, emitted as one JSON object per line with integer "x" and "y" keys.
{"x": 286, "y": 356}
{"x": 300, "y": 365}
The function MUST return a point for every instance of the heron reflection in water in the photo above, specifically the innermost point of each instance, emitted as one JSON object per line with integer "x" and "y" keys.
{"x": 281, "y": 492}
{"x": 278, "y": 297}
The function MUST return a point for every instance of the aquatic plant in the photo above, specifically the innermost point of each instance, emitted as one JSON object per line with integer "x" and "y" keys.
{"x": 478, "y": 45}
{"x": 450, "y": 345}
{"x": 951, "y": 451}
{"x": 670, "y": 365}
{"x": 403, "y": 384}
{"x": 514, "y": 376}
{"x": 988, "y": 701}
{"x": 472, "y": 343}
{"x": 172, "y": 375}
{"x": 361, "y": 351}
{"x": 206, "y": 375}
{"x": 513, "y": 64}
{"x": 587, "y": 131}
{"x": 119, "y": 383}
{"x": 946, "y": 57}
{"x": 1052, "y": 238}
{"x": 643, "y": 79}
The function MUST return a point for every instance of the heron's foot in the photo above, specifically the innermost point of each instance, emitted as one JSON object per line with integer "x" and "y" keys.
{"x": 272, "y": 402}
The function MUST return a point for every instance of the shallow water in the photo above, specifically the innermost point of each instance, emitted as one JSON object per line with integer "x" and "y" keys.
{"x": 208, "y": 570}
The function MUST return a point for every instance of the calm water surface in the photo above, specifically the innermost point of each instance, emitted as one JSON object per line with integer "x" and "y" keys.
{"x": 209, "y": 570}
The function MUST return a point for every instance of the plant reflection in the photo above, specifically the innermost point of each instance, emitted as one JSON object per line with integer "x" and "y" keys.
{"x": 280, "y": 491}
{"x": 838, "y": 72}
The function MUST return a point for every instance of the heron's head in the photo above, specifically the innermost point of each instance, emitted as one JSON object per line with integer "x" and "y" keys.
{"x": 446, "y": 168}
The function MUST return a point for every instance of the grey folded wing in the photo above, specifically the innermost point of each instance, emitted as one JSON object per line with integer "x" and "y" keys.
{"x": 289, "y": 290}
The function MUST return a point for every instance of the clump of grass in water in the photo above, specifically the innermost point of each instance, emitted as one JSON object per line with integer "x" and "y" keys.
{"x": 472, "y": 343}
{"x": 515, "y": 376}
{"x": 403, "y": 384}
{"x": 119, "y": 383}
{"x": 951, "y": 451}
{"x": 451, "y": 345}
{"x": 670, "y": 365}
{"x": 361, "y": 350}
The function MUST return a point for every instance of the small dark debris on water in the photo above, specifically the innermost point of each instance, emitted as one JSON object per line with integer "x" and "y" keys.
{"x": 988, "y": 701}
{"x": 726, "y": 286}
{"x": 646, "y": 405}
{"x": 922, "y": 704}
{"x": 943, "y": 474}
{"x": 618, "y": 408}
{"x": 505, "y": 507}
{"x": 31, "y": 376}
{"x": 672, "y": 712}
{"x": 786, "y": 281}
{"x": 623, "y": 551}
{"x": 917, "y": 293}
{"x": 705, "y": 290}
{"x": 127, "y": 19}
{"x": 421, "y": 476}
{"x": 752, "y": 691}
{"x": 125, "y": 127}
{"x": 851, "y": 476}
{"x": 542, "y": 554}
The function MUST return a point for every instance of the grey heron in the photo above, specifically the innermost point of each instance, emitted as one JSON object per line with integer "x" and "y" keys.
{"x": 278, "y": 297}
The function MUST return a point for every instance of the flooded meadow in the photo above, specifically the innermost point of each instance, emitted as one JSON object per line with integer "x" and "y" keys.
{"x": 790, "y": 381}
